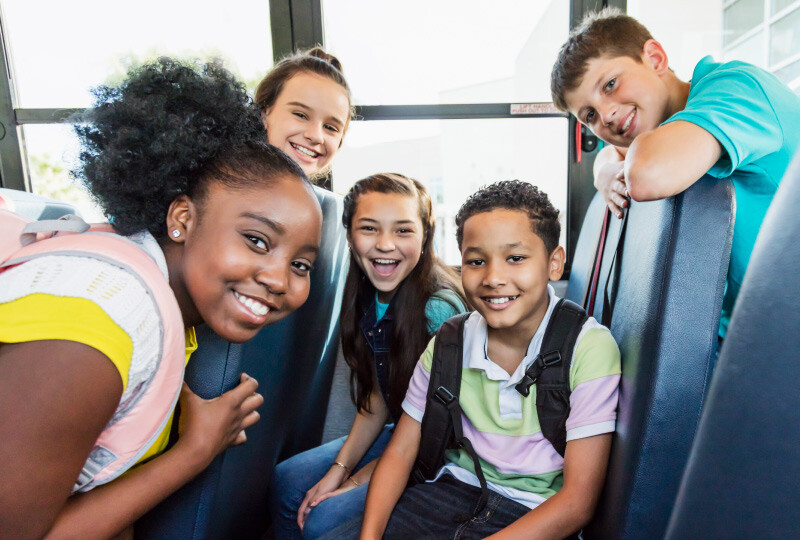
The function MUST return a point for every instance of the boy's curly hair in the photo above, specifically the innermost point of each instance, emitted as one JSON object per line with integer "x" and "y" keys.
{"x": 514, "y": 195}
{"x": 608, "y": 32}
{"x": 163, "y": 132}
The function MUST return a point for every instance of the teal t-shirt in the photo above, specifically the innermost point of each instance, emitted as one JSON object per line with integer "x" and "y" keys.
{"x": 755, "y": 118}
{"x": 440, "y": 307}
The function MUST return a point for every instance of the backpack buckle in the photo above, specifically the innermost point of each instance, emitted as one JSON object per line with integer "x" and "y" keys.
{"x": 551, "y": 358}
{"x": 444, "y": 396}
{"x": 542, "y": 362}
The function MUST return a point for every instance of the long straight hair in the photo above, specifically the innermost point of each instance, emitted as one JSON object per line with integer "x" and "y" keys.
{"x": 409, "y": 330}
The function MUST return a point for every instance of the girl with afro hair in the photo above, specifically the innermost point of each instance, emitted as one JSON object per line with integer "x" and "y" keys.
{"x": 176, "y": 156}
{"x": 305, "y": 106}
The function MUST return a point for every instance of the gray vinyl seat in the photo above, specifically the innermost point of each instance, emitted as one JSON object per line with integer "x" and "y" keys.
{"x": 33, "y": 206}
{"x": 293, "y": 360}
{"x": 741, "y": 481}
{"x": 665, "y": 318}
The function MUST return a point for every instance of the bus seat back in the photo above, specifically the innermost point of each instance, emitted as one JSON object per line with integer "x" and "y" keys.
{"x": 741, "y": 480}
{"x": 665, "y": 320}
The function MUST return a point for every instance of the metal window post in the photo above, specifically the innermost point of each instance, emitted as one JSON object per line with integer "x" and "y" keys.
{"x": 13, "y": 173}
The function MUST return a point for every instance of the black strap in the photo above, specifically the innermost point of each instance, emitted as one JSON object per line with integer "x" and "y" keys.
{"x": 614, "y": 273}
{"x": 550, "y": 372}
{"x": 441, "y": 424}
{"x": 444, "y": 386}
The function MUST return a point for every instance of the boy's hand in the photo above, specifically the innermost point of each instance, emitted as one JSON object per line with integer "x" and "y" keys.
{"x": 209, "y": 426}
{"x": 609, "y": 180}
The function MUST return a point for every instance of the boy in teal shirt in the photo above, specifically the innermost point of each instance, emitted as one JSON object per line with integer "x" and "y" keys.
{"x": 733, "y": 120}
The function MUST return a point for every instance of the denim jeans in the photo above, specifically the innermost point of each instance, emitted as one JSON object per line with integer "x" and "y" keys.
{"x": 295, "y": 476}
{"x": 437, "y": 510}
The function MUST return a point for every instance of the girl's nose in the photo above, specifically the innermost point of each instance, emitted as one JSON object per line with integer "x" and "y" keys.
{"x": 385, "y": 242}
{"x": 274, "y": 278}
{"x": 314, "y": 133}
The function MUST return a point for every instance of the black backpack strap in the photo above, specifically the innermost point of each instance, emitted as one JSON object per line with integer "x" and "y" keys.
{"x": 444, "y": 385}
{"x": 441, "y": 424}
{"x": 550, "y": 372}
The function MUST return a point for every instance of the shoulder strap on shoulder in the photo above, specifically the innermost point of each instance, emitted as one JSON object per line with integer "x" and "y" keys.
{"x": 20, "y": 231}
{"x": 441, "y": 423}
{"x": 137, "y": 422}
{"x": 550, "y": 372}
{"x": 444, "y": 386}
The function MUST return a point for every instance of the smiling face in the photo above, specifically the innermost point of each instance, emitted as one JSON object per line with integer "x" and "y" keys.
{"x": 505, "y": 271}
{"x": 386, "y": 237}
{"x": 618, "y": 98}
{"x": 243, "y": 257}
{"x": 307, "y": 121}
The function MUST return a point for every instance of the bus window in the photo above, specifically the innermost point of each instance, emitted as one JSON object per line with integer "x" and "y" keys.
{"x": 423, "y": 53}
{"x": 453, "y": 158}
{"x": 762, "y": 32}
{"x": 87, "y": 45}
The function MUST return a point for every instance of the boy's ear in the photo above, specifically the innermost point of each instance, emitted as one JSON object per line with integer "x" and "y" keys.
{"x": 654, "y": 55}
{"x": 556, "y": 263}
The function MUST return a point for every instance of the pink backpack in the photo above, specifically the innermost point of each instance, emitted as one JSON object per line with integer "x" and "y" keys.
{"x": 128, "y": 436}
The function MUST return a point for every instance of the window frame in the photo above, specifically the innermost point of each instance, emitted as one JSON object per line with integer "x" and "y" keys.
{"x": 765, "y": 28}
{"x": 298, "y": 24}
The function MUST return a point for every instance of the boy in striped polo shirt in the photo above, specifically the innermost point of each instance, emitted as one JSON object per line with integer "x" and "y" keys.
{"x": 508, "y": 234}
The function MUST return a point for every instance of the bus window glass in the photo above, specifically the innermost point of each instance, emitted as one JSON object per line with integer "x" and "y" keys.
{"x": 52, "y": 154}
{"x": 780, "y": 5}
{"x": 449, "y": 51}
{"x": 453, "y": 158}
{"x": 791, "y": 75}
{"x": 740, "y": 17}
{"x": 784, "y": 41}
{"x": 686, "y": 39}
{"x": 61, "y": 50}
{"x": 748, "y": 50}
{"x": 762, "y": 32}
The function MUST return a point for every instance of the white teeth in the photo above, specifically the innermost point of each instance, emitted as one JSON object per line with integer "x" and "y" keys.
{"x": 627, "y": 124}
{"x": 253, "y": 305}
{"x": 385, "y": 261}
{"x": 501, "y": 300}
{"x": 304, "y": 150}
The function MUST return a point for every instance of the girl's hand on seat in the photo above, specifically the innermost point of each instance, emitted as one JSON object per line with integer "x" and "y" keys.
{"x": 209, "y": 426}
{"x": 333, "y": 479}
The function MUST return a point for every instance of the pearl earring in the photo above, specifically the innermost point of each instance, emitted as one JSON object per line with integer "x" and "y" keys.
{"x": 176, "y": 233}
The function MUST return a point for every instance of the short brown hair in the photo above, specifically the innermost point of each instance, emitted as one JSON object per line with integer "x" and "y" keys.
{"x": 608, "y": 32}
{"x": 314, "y": 60}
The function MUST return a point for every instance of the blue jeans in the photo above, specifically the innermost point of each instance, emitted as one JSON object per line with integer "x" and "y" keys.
{"x": 295, "y": 476}
{"x": 437, "y": 511}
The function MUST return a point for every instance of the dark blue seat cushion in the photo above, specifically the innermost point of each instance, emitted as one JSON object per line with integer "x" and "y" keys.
{"x": 742, "y": 478}
{"x": 674, "y": 265}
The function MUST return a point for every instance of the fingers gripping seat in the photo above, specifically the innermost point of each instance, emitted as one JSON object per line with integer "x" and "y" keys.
{"x": 293, "y": 361}
{"x": 673, "y": 269}
{"x": 741, "y": 481}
